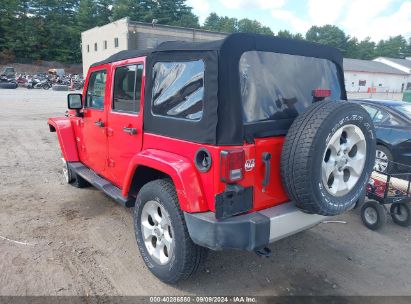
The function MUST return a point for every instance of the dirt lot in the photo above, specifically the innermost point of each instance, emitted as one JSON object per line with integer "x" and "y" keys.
{"x": 79, "y": 242}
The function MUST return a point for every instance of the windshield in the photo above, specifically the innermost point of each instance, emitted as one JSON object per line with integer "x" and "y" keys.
{"x": 279, "y": 86}
{"x": 405, "y": 109}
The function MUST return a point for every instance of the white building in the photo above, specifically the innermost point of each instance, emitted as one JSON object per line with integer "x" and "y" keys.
{"x": 400, "y": 64}
{"x": 101, "y": 42}
{"x": 367, "y": 76}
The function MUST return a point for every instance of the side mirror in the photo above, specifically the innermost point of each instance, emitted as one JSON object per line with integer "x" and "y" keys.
{"x": 74, "y": 101}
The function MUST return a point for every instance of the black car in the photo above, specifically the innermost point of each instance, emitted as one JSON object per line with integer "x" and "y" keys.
{"x": 392, "y": 120}
{"x": 8, "y": 82}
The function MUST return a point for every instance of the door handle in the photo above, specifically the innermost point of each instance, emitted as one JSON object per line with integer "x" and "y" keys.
{"x": 131, "y": 131}
{"x": 99, "y": 124}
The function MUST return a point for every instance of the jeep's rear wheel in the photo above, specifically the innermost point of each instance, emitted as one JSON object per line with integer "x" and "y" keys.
{"x": 328, "y": 157}
{"x": 161, "y": 233}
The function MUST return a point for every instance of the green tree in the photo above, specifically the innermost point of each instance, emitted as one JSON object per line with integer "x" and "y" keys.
{"x": 87, "y": 14}
{"x": 173, "y": 12}
{"x": 298, "y": 36}
{"x": 252, "y": 26}
{"x": 60, "y": 27}
{"x": 285, "y": 34}
{"x": 228, "y": 25}
{"x": 231, "y": 25}
{"x": 395, "y": 47}
{"x": 221, "y": 24}
{"x": 104, "y": 11}
{"x": 366, "y": 49}
{"x": 20, "y": 34}
{"x": 288, "y": 34}
{"x": 352, "y": 48}
{"x": 212, "y": 22}
{"x": 50, "y": 29}
{"x": 136, "y": 10}
{"x": 328, "y": 35}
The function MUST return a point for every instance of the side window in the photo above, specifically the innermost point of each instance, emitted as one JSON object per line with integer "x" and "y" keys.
{"x": 178, "y": 89}
{"x": 372, "y": 111}
{"x": 383, "y": 117}
{"x": 127, "y": 88}
{"x": 96, "y": 90}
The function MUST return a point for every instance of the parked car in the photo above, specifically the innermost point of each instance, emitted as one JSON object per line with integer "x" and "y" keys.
{"x": 8, "y": 82}
{"x": 9, "y": 72}
{"x": 230, "y": 144}
{"x": 392, "y": 120}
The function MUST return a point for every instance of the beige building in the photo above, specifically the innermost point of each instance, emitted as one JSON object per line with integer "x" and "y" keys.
{"x": 100, "y": 42}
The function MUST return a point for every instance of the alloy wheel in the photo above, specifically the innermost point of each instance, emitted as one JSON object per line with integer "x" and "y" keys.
{"x": 344, "y": 159}
{"x": 157, "y": 232}
{"x": 381, "y": 161}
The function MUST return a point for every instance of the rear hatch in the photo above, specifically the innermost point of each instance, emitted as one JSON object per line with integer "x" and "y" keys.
{"x": 275, "y": 88}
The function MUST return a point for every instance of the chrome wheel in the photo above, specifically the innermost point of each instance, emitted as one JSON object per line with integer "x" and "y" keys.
{"x": 381, "y": 161}
{"x": 66, "y": 171}
{"x": 344, "y": 159}
{"x": 370, "y": 215}
{"x": 157, "y": 232}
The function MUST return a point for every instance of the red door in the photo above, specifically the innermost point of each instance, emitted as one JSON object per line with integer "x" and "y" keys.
{"x": 125, "y": 119}
{"x": 93, "y": 148}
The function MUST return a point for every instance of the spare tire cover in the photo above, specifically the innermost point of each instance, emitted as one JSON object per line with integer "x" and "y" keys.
{"x": 328, "y": 156}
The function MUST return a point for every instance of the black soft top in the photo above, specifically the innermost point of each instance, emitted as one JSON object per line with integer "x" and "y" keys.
{"x": 222, "y": 121}
{"x": 123, "y": 55}
{"x": 237, "y": 43}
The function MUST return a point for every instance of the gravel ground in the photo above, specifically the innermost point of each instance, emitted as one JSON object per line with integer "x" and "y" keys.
{"x": 59, "y": 240}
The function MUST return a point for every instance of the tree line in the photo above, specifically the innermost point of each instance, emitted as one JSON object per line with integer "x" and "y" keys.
{"x": 51, "y": 29}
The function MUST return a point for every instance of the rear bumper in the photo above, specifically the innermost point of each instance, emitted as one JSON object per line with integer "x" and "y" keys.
{"x": 251, "y": 231}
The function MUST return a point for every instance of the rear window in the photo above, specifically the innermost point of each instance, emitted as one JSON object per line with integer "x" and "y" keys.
{"x": 279, "y": 86}
{"x": 178, "y": 89}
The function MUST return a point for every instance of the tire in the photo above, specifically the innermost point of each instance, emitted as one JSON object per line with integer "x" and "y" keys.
{"x": 46, "y": 86}
{"x": 73, "y": 178}
{"x": 400, "y": 214}
{"x": 67, "y": 173}
{"x": 373, "y": 215}
{"x": 60, "y": 87}
{"x": 8, "y": 85}
{"x": 185, "y": 257}
{"x": 79, "y": 182}
{"x": 360, "y": 201}
{"x": 383, "y": 157}
{"x": 308, "y": 163}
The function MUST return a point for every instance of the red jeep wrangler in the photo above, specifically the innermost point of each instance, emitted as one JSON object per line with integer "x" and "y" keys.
{"x": 229, "y": 144}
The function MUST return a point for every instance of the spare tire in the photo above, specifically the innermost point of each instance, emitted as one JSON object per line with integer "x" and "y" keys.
{"x": 328, "y": 156}
{"x": 8, "y": 85}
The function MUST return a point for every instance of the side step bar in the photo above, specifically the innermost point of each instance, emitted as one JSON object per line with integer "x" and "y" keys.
{"x": 101, "y": 183}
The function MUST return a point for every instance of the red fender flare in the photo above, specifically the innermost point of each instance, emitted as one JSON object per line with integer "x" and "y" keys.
{"x": 65, "y": 133}
{"x": 180, "y": 169}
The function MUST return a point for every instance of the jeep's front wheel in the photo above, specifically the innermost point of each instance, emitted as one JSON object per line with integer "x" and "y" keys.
{"x": 162, "y": 235}
{"x": 73, "y": 178}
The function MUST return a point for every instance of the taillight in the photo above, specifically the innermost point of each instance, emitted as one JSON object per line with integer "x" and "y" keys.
{"x": 321, "y": 93}
{"x": 232, "y": 165}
